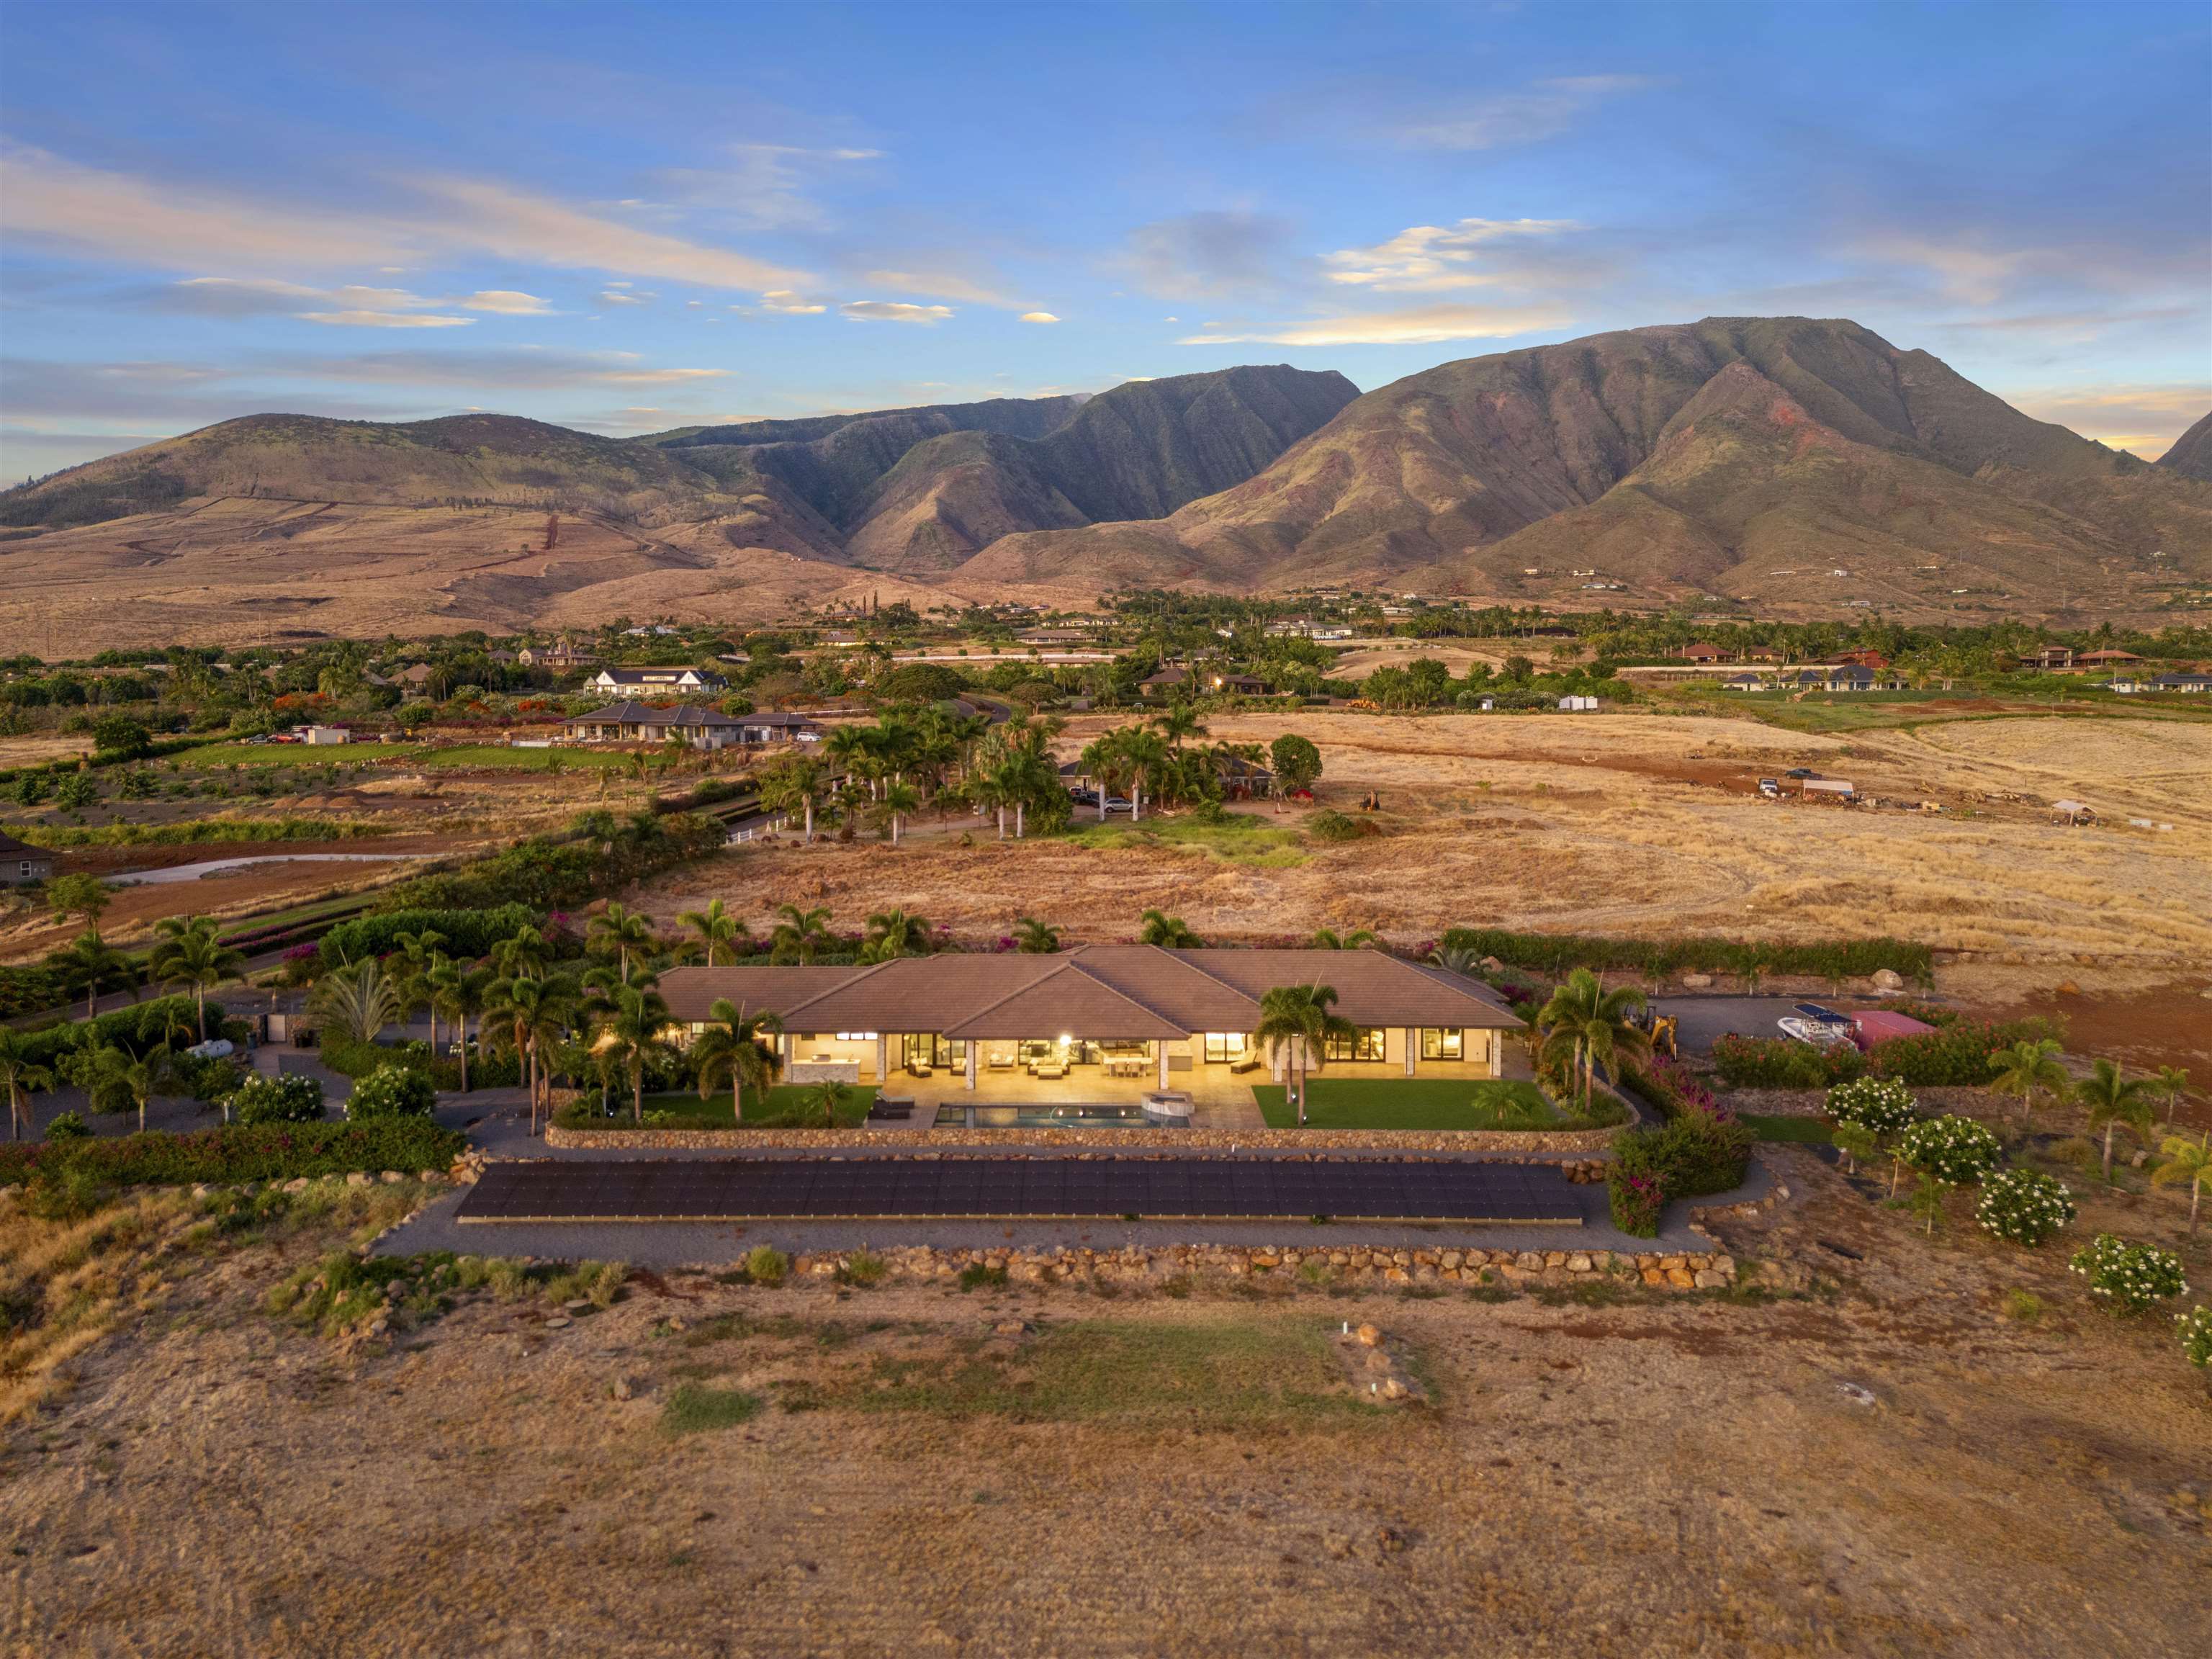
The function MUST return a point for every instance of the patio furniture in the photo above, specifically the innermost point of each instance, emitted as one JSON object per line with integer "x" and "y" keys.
{"x": 1251, "y": 1062}
{"x": 919, "y": 1068}
{"x": 1049, "y": 1069}
{"x": 1000, "y": 1062}
{"x": 892, "y": 1109}
{"x": 1125, "y": 1067}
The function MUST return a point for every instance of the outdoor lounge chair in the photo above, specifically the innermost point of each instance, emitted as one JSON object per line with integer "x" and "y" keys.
{"x": 1251, "y": 1062}
{"x": 1049, "y": 1069}
{"x": 919, "y": 1068}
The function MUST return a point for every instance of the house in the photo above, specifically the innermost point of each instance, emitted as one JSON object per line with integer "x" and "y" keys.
{"x": 322, "y": 736}
{"x": 778, "y": 728}
{"x": 1242, "y": 778}
{"x": 21, "y": 864}
{"x": 1867, "y": 658}
{"x": 1242, "y": 686}
{"x": 2185, "y": 683}
{"x": 640, "y": 722}
{"x": 556, "y": 657}
{"x": 1746, "y": 683}
{"x": 415, "y": 677}
{"x": 1120, "y": 1020}
{"x": 1701, "y": 651}
{"x": 2106, "y": 659}
{"x": 632, "y": 681}
{"x": 1054, "y": 636}
{"x": 2051, "y": 658}
{"x": 1172, "y": 678}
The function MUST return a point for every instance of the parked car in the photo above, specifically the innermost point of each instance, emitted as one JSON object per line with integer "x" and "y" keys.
{"x": 1800, "y": 772}
{"x": 1769, "y": 786}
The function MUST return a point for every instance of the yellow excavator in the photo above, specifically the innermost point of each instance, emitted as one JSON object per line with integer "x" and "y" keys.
{"x": 1660, "y": 1028}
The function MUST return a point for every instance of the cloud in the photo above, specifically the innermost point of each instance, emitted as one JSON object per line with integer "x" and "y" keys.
{"x": 784, "y": 303}
{"x": 1419, "y": 325}
{"x": 615, "y": 296}
{"x": 383, "y": 319}
{"x": 1544, "y": 110}
{"x": 762, "y": 186}
{"x": 349, "y": 307}
{"x": 50, "y": 200}
{"x": 937, "y": 284}
{"x": 1037, "y": 317}
{"x": 508, "y": 302}
{"x": 1964, "y": 266}
{"x": 2145, "y": 419}
{"x": 1428, "y": 258}
{"x": 890, "y": 311}
{"x": 1217, "y": 252}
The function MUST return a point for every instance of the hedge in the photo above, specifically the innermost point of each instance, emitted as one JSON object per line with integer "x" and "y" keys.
{"x": 489, "y": 1069}
{"x": 118, "y": 1027}
{"x": 243, "y": 1152}
{"x": 31, "y": 990}
{"x": 1856, "y": 958}
{"x": 1954, "y": 1055}
{"x": 467, "y": 932}
{"x": 1783, "y": 1063}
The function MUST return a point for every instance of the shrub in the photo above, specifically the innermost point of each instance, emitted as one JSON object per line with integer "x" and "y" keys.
{"x": 976, "y": 1276}
{"x": 391, "y": 1092}
{"x": 1955, "y": 1151}
{"x": 68, "y": 1125}
{"x": 1336, "y": 827}
{"x": 291, "y": 1099}
{"x": 1783, "y": 1063}
{"x": 1957, "y": 1056}
{"x": 1636, "y": 1201}
{"x": 2024, "y": 1207}
{"x": 2195, "y": 1330}
{"x": 1673, "y": 1088}
{"x": 1881, "y": 1105}
{"x": 1555, "y": 953}
{"x": 235, "y": 1153}
{"x": 863, "y": 1268}
{"x": 766, "y": 1265}
{"x": 2128, "y": 1277}
{"x": 119, "y": 1028}
{"x": 468, "y": 933}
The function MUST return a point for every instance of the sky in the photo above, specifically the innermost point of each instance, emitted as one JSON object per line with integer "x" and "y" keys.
{"x": 626, "y": 218}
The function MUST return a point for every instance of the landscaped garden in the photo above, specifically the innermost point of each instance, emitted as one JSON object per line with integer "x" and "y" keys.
{"x": 788, "y": 1106}
{"x": 1425, "y": 1104}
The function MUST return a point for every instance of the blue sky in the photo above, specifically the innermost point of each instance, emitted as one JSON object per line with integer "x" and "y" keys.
{"x": 628, "y": 217}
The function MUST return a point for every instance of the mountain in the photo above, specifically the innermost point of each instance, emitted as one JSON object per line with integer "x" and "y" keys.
{"x": 1673, "y": 460}
{"x": 2191, "y": 454}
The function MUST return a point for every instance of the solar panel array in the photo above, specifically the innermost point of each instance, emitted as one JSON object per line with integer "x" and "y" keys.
{"x": 1162, "y": 1189}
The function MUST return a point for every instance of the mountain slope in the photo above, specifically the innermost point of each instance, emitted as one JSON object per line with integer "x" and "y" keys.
{"x": 2191, "y": 454}
{"x": 1707, "y": 446}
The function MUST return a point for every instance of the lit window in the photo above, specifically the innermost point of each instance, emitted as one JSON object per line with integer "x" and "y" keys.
{"x": 1447, "y": 1043}
{"x": 1365, "y": 1042}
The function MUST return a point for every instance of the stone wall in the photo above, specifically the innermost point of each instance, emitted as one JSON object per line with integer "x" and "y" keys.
{"x": 1552, "y": 1143}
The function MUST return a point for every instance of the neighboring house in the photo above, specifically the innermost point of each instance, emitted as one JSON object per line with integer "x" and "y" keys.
{"x": 1242, "y": 778}
{"x": 21, "y": 864}
{"x": 1746, "y": 683}
{"x": 640, "y": 722}
{"x": 2186, "y": 683}
{"x": 2051, "y": 657}
{"x": 1865, "y": 658}
{"x": 1699, "y": 651}
{"x": 778, "y": 728}
{"x": 557, "y": 657}
{"x": 1125, "y": 1016}
{"x": 632, "y": 681}
{"x": 1174, "y": 677}
{"x": 2106, "y": 659}
{"x": 1054, "y": 636}
{"x": 1243, "y": 686}
{"x": 415, "y": 677}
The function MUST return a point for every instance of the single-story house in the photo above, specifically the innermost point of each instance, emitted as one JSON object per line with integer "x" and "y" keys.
{"x": 1173, "y": 678}
{"x": 1866, "y": 658}
{"x": 2186, "y": 682}
{"x": 641, "y": 722}
{"x": 1243, "y": 686}
{"x": 1122, "y": 1019}
{"x": 1242, "y": 778}
{"x": 415, "y": 676}
{"x": 1701, "y": 651}
{"x": 635, "y": 680}
{"x": 779, "y": 728}
{"x": 21, "y": 864}
{"x": 1745, "y": 683}
{"x": 2105, "y": 658}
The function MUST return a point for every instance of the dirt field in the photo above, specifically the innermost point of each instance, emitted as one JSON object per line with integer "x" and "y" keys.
{"x": 915, "y": 1470}
{"x": 1626, "y": 824}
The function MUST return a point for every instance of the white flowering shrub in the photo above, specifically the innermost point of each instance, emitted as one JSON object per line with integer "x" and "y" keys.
{"x": 1881, "y": 1105}
{"x": 2195, "y": 1329}
{"x": 2129, "y": 1278}
{"x": 1956, "y": 1151}
{"x": 2023, "y": 1206}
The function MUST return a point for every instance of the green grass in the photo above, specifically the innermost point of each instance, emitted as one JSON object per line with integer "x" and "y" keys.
{"x": 1804, "y": 1131}
{"x": 218, "y": 755}
{"x": 1213, "y": 1375}
{"x": 500, "y": 757}
{"x": 691, "y": 1409}
{"x": 494, "y": 756}
{"x": 1417, "y": 1104}
{"x": 1236, "y": 838}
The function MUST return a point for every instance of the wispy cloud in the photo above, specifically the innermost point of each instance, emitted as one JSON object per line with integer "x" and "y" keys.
{"x": 937, "y": 285}
{"x": 1428, "y": 258}
{"x": 618, "y": 296}
{"x": 353, "y": 305}
{"x": 508, "y": 302}
{"x": 890, "y": 311}
{"x": 784, "y": 303}
{"x": 761, "y": 186}
{"x": 1542, "y": 110}
{"x": 1217, "y": 253}
{"x": 2145, "y": 419}
{"x": 383, "y": 320}
{"x": 1418, "y": 326}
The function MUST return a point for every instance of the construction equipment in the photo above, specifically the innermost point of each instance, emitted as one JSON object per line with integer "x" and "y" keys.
{"x": 1659, "y": 1027}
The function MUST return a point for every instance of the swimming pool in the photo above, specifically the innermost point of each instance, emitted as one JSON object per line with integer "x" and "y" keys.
{"x": 1041, "y": 1117}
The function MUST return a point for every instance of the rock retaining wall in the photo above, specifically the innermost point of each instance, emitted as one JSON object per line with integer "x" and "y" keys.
{"x": 1556, "y": 1143}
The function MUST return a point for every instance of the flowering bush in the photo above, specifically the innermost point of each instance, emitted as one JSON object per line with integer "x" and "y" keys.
{"x": 2129, "y": 1277}
{"x": 1783, "y": 1063}
{"x": 2024, "y": 1207}
{"x": 1636, "y": 1201}
{"x": 391, "y": 1092}
{"x": 1675, "y": 1089}
{"x": 1879, "y": 1105}
{"x": 2195, "y": 1330}
{"x": 293, "y": 1099}
{"x": 1955, "y": 1151}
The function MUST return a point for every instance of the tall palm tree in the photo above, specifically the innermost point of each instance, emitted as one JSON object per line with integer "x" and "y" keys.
{"x": 793, "y": 784}
{"x": 22, "y": 1076}
{"x": 799, "y": 934}
{"x": 2028, "y": 1069}
{"x": 629, "y": 1027}
{"x": 895, "y": 934}
{"x": 1591, "y": 1026}
{"x": 1106, "y": 762}
{"x": 457, "y": 991}
{"x": 898, "y": 803}
{"x": 1178, "y": 721}
{"x": 2186, "y": 1161}
{"x": 91, "y": 965}
{"x": 1035, "y": 938}
{"x": 2113, "y": 1099}
{"x": 1328, "y": 938}
{"x": 525, "y": 954}
{"x": 530, "y": 1015}
{"x": 718, "y": 929}
{"x": 1296, "y": 1023}
{"x": 622, "y": 932}
{"x": 2172, "y": 1083}
{"x": 142, "y": 1076}
{"x": 1147, "y": 758}
{"x": 992, "y": 788}
{"x": 739, "y": 1046}
{"x": 359, "y": 1002}
{"x": 188, "y": 953}
{"x": 1167, "y": 932}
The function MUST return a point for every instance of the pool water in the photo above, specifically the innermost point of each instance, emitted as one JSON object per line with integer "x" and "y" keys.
{"x": 1041, "y": 1117}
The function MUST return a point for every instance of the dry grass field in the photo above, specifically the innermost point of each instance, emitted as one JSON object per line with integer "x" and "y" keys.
{"x": 1618, "y": 823}
{"x": 1912, "y": 1463}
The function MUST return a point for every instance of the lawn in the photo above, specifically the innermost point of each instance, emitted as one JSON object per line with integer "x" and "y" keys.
{"x": 500, "y": 757}
{"x": 788, "y": 1106}
{"x": 1807, "y": 1131}
{"x": 1418, "y": 1104}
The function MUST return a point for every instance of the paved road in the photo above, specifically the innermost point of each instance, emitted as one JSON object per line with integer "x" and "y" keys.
{"x": 1701, "y": 1019}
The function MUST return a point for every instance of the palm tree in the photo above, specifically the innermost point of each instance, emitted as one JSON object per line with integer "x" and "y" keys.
{"x": 719, "y": 929}
{"x": 530, "y": 1015}
{"x": 2027, "y": 1069}
{"x": 418, "y": 950}
{"x": 2186, "y": 1160}
{"x": 1035, "y": 938}
{"x": 2172, "y": 1082}
{"x": 457, "y": 990}
{"x": 737, "y": 1046}
{"x": 1107, "y": 765}
{"x": 22, "y": 1075}
{"x": 359, "y": 1002}
{"x": 895, "y": 934}
{"x": 1178, "y": 721}
{"x": 992, "y": 788}
{"x": 1591, "y": 1026}
{"x": 1167, "y": 932}
{"x": 1296, "y": 1023}
{"x": 791, "y": 785}
{"x": 825, "y": 1097}
{"x": 91, "y": 964}
{"x": 2113, "y": 1099}
{"x": 799, "y": 934}
{"x": 621, "y": 930}
{"x": 1359, "y": 938}
{"x": 141, "y": 1077}
{"x": 629, "y": 1029}
{"x": 898, "y": 803}
{"x": 188, "y": 953}
{"x": 526, "y": 955}
{"x": 1147, "y": 758}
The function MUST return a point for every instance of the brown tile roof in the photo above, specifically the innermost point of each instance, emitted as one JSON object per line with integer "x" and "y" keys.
{"x": 1372, "y": 988}
{"x": 645, "y": 713}
{"x": 1170, "y": 987}
{"x": 690, "y": 991}
{"x": 10, "y": 847}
